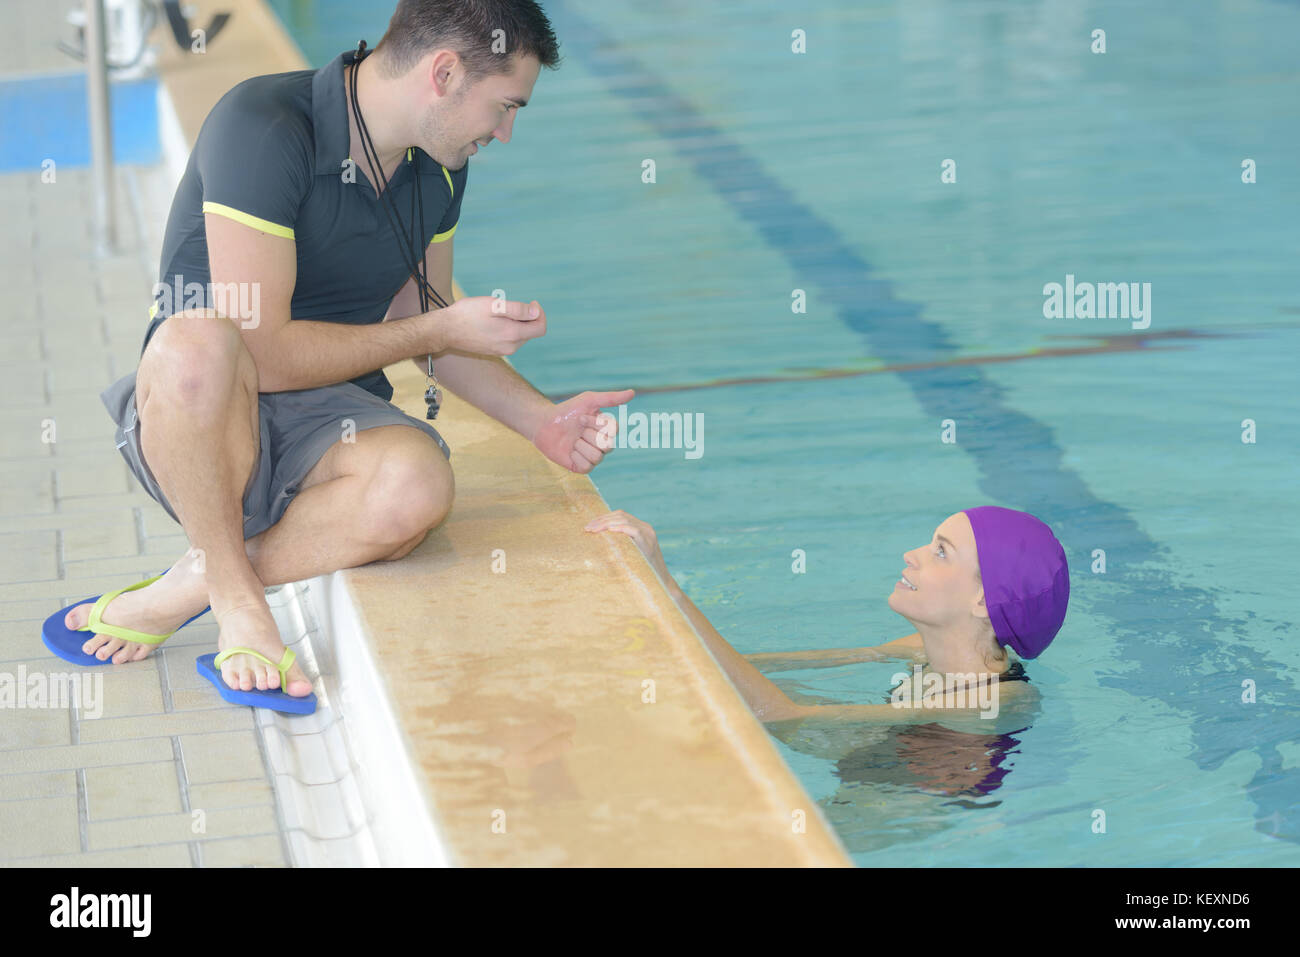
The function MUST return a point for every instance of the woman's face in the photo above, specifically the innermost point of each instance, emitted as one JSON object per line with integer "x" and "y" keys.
{"x": 940, "y": 585}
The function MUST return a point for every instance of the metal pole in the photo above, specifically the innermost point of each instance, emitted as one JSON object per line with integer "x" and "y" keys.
{"x": 101, "y": 132}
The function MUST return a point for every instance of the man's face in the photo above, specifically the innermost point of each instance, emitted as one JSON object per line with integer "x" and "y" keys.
{"x": 473, "y": 117}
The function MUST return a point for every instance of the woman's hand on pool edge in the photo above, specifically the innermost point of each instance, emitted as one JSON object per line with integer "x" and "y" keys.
{"x": 641, "y": 533}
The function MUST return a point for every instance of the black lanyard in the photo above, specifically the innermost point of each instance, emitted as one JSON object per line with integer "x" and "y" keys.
{"x": 413, "y": 256}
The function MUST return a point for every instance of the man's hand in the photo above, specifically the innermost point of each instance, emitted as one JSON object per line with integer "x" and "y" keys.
{"x": 573, "y": 436}
{"x": 485, "y": 325}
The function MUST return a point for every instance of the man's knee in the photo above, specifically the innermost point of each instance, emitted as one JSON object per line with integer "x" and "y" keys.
{"x": 191, "y": 355}
{"x": 407, "y": 548}
{"x": 410, "y": 492}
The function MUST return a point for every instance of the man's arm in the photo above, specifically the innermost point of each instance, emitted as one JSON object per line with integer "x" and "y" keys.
{"x": 488, "y": 382}
{"x": 298, "y": 354}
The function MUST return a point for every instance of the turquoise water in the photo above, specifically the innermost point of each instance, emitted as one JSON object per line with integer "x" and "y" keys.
{"x": 821, "y": 172}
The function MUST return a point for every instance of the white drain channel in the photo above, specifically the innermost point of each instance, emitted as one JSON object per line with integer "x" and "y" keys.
{"x": 346, "y": 785}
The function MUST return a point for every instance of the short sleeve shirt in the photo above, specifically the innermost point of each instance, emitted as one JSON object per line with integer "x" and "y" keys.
{"x": 273, "y": 154}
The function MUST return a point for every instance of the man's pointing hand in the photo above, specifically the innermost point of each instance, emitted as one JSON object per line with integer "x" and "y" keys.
{"x": 572, "y": 434}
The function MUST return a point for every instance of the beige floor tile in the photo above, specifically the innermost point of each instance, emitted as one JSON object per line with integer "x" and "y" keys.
{"x": 83, "y": 587}
{"x": 174, "y": 828}
{"x": 70, "y": 424}
{"x": 130, "y": 568}
{"x": 227, "y": 718}
{"x": 22, "y": 641}
{"x": 35, "y": 472}
{"x": 39, "y": 827}
{"x": 167, "y": 548}
{"x": 46, "y": 784}
{"x": 26, "y": 609}
{"x": 47, "y": 663}
{"x": 228, "y": 756}
{"x": 106, "y": 539}
{"x": 29, "y": 495}
{"x": 29, "y": 556}
{"x": 132, "y": 790}
{"x": 23, "y": 728}
{"x": 24, "y": 384}
{"x": 158, "y": 524}
{"x": 88, "y": 483}
{"x": 264, "y": 851}
{"x": 127, "y": 693}
{"x": 182, "y": 676}
{"x": 33, "y": 760}
{"x": 165, "y": 855}
{"x": 58, "y": 338}
{"x": 20, "y": 628}
{"x": 195, "y": 699}
{"x": 21, "y": 346}
{"x": 226, "y": 794}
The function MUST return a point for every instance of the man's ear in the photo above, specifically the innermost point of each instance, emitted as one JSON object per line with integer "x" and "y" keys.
{"x": 979, "y": 609}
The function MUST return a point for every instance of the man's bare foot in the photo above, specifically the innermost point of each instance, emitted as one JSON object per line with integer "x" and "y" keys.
{"x": 250, "y": 625}
{"x": 156, "y": 609}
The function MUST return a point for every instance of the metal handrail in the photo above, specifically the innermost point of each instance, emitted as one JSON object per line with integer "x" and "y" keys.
{"x": 101, "y": 131}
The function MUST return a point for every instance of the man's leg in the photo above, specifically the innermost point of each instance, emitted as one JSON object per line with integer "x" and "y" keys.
{"x": 364, "y": 501}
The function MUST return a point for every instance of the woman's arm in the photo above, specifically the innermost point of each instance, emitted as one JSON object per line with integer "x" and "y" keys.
{"x": 908, "y": 647}
{"x": 766, "y": 700}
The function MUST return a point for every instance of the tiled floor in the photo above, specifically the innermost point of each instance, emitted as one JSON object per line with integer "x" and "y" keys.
{"x": 168, "y": 774}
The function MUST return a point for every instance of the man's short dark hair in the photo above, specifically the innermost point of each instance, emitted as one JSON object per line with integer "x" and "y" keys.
{"x": 469, "y": 27}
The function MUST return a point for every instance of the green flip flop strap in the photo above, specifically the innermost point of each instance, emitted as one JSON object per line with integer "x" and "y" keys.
{"x": 98, "y": 626}
{"x": 286, "y": 661}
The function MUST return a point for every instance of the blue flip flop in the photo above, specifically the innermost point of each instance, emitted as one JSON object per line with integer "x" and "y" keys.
{"x": 66, "y": 642}
{"x": 276, "y": 700}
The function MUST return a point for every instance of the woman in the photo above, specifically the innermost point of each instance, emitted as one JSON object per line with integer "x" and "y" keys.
{"x": 990, "y": 580}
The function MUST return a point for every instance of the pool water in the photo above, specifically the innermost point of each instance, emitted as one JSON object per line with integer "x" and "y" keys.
{"x": 820, "y": 172}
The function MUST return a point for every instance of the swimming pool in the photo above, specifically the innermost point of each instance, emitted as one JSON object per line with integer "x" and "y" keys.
{"x": 820, "y": 172}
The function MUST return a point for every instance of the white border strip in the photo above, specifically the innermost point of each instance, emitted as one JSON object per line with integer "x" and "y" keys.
{"x": 401, "y": 823}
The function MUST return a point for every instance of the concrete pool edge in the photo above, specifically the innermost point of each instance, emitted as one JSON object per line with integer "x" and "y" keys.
{"x": 679, "y": 774}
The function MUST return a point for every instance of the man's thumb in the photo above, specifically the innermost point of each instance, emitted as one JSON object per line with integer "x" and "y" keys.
{"x": 612, "y": 398}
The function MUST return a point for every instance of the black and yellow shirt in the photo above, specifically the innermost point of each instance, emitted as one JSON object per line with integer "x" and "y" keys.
{"x": 273, "y": 154}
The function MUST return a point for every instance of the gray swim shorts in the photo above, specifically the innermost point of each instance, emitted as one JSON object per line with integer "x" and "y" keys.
{"x": 297, "y": 429}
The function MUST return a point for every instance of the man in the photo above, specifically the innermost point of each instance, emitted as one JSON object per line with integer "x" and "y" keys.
{"x": 281, "y": 393}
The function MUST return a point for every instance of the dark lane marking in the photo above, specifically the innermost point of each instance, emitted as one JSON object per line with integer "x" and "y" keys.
{"x": 1115, "y": 343}
{"x": 1191, "y": 657}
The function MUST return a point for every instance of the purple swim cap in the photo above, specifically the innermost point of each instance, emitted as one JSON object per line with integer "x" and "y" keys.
{"x": 1026, "y": 578}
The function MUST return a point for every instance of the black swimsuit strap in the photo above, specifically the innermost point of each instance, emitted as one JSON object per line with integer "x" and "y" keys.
{"x": 1015, "y": 673}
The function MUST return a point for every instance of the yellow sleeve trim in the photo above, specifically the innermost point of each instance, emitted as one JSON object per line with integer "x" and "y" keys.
{"x": 263, "y": 225}
{"x": 153, "y": 310}
{"x": 440, "y": 237}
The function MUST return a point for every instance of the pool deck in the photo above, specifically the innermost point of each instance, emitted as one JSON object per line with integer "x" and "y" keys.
{"x": 559, "y": 711}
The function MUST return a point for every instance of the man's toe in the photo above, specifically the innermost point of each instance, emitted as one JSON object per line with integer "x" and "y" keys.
{"x": 299, "y": 686}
